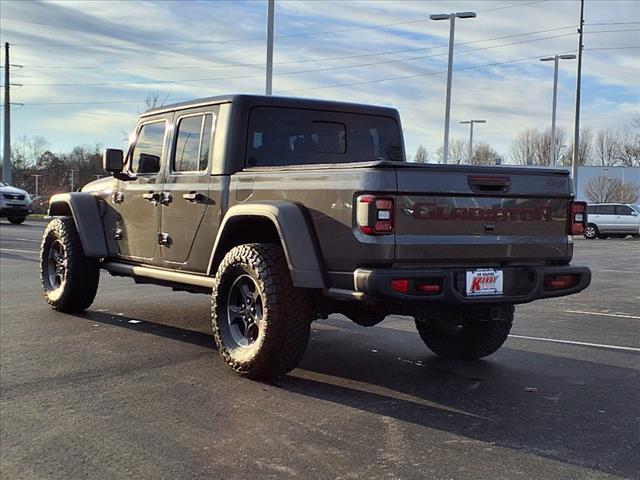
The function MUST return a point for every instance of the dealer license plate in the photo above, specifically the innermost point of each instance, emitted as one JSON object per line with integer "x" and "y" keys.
{"x": 486, "y": 281}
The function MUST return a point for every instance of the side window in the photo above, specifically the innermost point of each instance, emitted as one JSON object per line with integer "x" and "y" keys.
{"x": 623, "y": 210}
{"x": 607, "y": 209}
{"x": 147, "y": 151}
{"x": 193, "y": 141}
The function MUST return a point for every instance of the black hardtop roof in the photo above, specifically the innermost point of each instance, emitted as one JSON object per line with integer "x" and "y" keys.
{"x": 264, "y": 100}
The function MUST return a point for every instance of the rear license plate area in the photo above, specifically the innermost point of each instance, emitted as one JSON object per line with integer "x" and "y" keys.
{"x": 484, "y": 282}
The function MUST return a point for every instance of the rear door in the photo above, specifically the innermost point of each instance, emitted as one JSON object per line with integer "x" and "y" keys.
{"x": 471, "y": 216}
{"x": 186, "y": 192}
{"x": 607, "y": 222}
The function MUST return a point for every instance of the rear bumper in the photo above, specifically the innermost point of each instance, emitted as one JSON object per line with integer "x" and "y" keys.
{"x": 521, "y": 285}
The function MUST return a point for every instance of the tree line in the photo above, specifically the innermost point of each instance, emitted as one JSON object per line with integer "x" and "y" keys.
{"x": 608, "y": 147}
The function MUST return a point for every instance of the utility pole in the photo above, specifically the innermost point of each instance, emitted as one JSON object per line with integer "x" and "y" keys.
{"x": 271, "y": 12}
{"x": 6, "y": 165}
{"x": 37, "y": 177}
{"x": 447, "y": 109}
{"x": 576, "y": 140}
{"x": 471, "y": 122}
{"x": 71, "y": 179}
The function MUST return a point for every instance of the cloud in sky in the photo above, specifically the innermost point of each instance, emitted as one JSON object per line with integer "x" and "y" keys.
{"x": 108, "y": 52}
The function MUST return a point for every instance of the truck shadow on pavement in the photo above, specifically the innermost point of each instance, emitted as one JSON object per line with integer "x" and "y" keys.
{"x": 581, "y": 412}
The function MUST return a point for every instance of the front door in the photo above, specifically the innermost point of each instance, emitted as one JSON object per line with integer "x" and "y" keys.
{"x": 138, "y": 201}
{"x": 187, "y": 186}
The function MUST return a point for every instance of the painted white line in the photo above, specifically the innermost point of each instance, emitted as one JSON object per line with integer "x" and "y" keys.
{"x": 17, "y": 251}
{"x": 583, "y": 344}
{"x": 620, "y": 315}
{"x": 616, "y": 271}
{"x": 38, "y": 241}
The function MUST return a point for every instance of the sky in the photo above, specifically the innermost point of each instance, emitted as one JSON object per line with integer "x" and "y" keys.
{"x": 87, "y": 66}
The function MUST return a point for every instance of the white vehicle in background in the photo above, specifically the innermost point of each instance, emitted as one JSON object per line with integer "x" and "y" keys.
{"x": 15, "y": 204}
{"x": 612, "y": 220}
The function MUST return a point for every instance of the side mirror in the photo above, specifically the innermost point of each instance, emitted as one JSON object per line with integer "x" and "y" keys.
{"x": 113, "y": 160}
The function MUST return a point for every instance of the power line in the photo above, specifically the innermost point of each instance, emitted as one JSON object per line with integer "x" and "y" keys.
{"x": 472, "y": 67}
{"x": 612, "y": 48}
{"x": 511, "y": 6}
{"x": 313, "y": 60}
{"x": 342, "y": 67}
{"x": 614, "y": 23}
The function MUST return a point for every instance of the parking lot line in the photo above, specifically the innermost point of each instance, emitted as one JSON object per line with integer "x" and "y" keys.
{"x": 17, "y": 251}
{"x": 621, "y": 315}
{"x": 572, "y": 342}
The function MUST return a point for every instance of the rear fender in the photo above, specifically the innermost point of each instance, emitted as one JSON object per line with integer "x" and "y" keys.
{"x": 295, "y": 232}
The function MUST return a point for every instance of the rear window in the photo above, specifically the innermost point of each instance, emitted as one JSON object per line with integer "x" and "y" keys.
{"x": 292, "y": 136}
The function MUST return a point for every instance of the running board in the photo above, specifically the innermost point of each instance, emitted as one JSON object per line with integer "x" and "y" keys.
{"x": 128, "y": 270}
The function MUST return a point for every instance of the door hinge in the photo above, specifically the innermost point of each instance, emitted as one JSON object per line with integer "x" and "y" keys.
{"x": 165, "y": 198}
{"x": 117, "y": 197}
{"x": 164, "y": 239}
{"x": 117, "y": 234}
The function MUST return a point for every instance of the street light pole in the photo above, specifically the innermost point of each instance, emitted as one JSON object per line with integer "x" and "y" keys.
{"x": 37, "y": 177}
{"x": 556, "y": 58}
{"x": 447, "y": 109}
{"x": 471, "y": 122}
{"x": 270, "y": 15}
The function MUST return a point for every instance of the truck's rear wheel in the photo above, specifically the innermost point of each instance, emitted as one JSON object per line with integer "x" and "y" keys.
{"x": 261, "y": 322}
{"x": 464, "y": 337}
{"x": 69, "y": 278}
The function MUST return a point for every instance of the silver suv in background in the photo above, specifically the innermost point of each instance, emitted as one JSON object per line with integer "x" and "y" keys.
{"x": 613, "y": 220}
{"x": 15, "y": 204}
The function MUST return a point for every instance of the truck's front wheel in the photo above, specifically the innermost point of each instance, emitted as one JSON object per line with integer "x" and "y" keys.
{"x": 69, "y": 278}
{"x": 463, "y": 336}
{"x": 261, "y": 322}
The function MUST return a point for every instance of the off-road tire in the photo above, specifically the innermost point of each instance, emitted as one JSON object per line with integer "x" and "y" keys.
{"x": 17, "y": 220}
{"x": 287, "y": 312}
{"x": 476, "y": 339}
{"x": 82, "y": 273}
{"x": 591, "y": 232}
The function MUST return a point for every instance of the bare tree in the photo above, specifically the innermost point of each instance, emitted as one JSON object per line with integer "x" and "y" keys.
{"x": 629, "y": 192}
{"x": 628, "y": 153}
{"x": 606, "y": 189}
{"x": 523, "y": 147}
{"x": 458, "y": 152}
{"x": 607, "y": 145}
{"x": 154, "y": 99}
{"x": 602, "y": 189}
{"x": 421, "y": 156}
{"x": 484, "y": 154}
{"x": 585, "y": 152}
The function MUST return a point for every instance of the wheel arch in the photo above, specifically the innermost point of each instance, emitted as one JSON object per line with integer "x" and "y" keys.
{"x": 83, "y": 208}
{"x": 286, "y": 223}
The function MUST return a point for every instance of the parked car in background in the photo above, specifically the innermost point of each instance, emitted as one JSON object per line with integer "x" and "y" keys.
{"x": 15, "y": 204}
{"x": 613, "y": 220}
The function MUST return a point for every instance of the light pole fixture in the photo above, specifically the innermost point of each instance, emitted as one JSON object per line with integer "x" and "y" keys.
{"x": 471, "y": 122}
{"x": 447, "y": 110}
{"x": 555, "y": 59}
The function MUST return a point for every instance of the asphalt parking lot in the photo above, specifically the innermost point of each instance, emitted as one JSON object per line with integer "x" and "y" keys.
{"x": 133, "y": 388}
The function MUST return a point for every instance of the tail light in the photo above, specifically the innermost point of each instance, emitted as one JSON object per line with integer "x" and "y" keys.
{"x": 375, "y": 215}
{"x": 560, "y": 282}
{"x": 577, "y": 217}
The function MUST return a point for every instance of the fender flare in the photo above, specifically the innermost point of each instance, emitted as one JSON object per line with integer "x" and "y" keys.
{"x": 296, "y": 235}
{"x": 83, "y": 207}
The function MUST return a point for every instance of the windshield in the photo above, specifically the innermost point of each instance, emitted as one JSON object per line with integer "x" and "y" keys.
{"x": 636, "y": 207}
{"x": 2, "y": 184}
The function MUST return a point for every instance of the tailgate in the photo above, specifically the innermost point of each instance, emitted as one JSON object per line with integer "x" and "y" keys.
{"x": 486, "y": 215}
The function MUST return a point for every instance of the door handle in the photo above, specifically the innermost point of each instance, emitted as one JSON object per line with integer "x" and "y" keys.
{"x": 193, "y": 197}
{"x": 152, "y": 197}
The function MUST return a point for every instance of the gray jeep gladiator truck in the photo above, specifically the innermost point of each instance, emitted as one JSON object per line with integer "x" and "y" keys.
{"x": 286, "y": 210}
